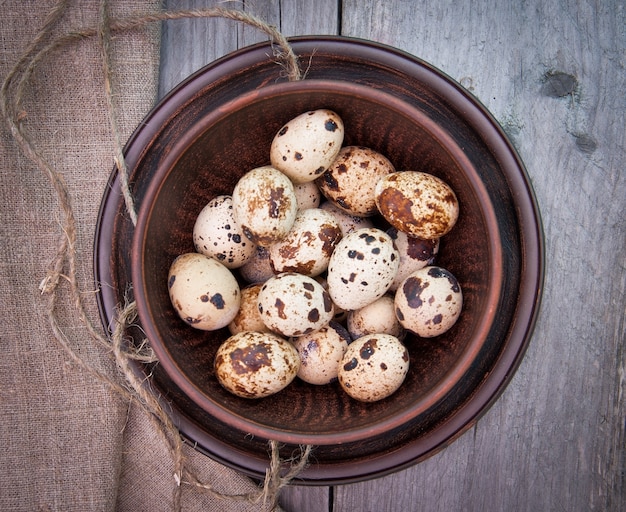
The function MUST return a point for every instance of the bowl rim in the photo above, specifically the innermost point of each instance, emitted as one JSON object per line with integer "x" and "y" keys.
{"x": 112, "y": 214}
{"x": 147, "y": 316}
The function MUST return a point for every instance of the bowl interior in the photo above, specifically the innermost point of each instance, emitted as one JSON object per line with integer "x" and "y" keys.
{"x": 208, "y": 158}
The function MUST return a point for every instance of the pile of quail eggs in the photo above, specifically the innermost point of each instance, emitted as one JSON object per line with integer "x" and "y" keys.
{"x": 325, "y": 294}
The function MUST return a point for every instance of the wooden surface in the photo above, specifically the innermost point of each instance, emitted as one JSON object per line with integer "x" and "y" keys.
{"x": 553, "y": 74}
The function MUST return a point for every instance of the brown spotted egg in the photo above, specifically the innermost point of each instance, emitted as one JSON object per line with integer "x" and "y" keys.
{"x": 258, "y": 268}
{"x": 217, "y": 234}
{"x": 305, "y": 146}
{"x": 417, "y": 203}
{"x": 248, "y": 318}
{"x": 350, "y": 181}
{"x": 429, "y": 301}
{"x": 308, "y": 195}
{"x": 373, "y": 367}
{"x": 309, "y": 244}
{"x": 362, "y": 268}
{"x": 294, "y": 305}
{"x": 256, "y": 364}
{"x": 264, "y": 205}
{"x": 415, "y": 253}
{"x": 377, "y": 317}
{"x": 321, "y": 353}
{"x": 204, "y": 293}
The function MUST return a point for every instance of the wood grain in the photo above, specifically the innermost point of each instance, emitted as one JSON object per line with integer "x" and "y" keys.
{"x": 553, "y": 74}
{"x": 189, "y": 44}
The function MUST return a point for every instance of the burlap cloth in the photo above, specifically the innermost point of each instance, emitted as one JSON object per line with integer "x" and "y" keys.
{"x": 68, "y": 441}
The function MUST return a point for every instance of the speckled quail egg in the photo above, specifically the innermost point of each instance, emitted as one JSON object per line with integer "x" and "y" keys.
{"x": 321, "y": 352}
{"x": 305, "y": 146}
{"x": 248, "y": 318}
{"x": 264, "y": 205}
{"x": 204, "y": 293}
{"x": 351, "y": 179}
{"x": 256, "y": 364}
{"x": 217, "y": 234}
{"x": 258, "y": 268}
{"x": 308, "y": 195}
{"x": 417, "y": 203}
{"x": 293, "y": 305}
{"x": 347, "y": 222}
{"x": 377, "y": 317}
{"x": 362, "y": 268}
{"x": 415, "y": 253}
{"x": 429, "y": 301}
{"x": 373, "y": 367}
{"x": 309, "y": 244}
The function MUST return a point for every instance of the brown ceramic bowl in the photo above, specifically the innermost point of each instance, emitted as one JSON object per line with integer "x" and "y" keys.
{"x": 219, "y": 124}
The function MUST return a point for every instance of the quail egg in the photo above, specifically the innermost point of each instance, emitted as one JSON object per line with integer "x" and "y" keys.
{"x": 373, "y": 367}
{"x": 204, "y": 293}
{"x": 305, "y": 146}
{"x": 217, "y": 234}
{"x": 415, "y": 253}
{"x": 377, "y": 317}
{"x": 292, "y": 304}
{"x": 308, "y": 195}
{"x": 362, "y": 268}
{"x": 264, "y": 205}
{"x": 309, "y": 244}
{"x": 321, "y": 352}
{"x": 417, "y": 203}
{"x": 351, "y": 179}
{"x": 248, "y": 318}
{"x": 256, "y": 364}
{"x": 258, "y": 268}
{"x": 429, "y": 301}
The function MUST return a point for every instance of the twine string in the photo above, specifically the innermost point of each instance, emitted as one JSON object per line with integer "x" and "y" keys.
{"x": 118, "y": 150}
{"x": 63, "y": 267}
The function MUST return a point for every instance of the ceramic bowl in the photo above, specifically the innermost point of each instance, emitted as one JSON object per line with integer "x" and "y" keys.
{"x": 219, "y": 124}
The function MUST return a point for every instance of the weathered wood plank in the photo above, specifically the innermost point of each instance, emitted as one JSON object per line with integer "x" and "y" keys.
{"x": 303, "y": 17}
{"x": 297, "y": 498}
{"x": 555, "y": 439}
{"x": 189, "y": 44}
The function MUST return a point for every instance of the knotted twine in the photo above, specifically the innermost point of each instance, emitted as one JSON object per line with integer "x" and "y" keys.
{"x": 63, "y": 267}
